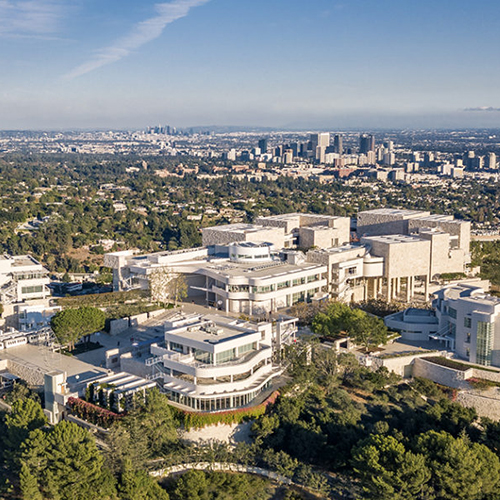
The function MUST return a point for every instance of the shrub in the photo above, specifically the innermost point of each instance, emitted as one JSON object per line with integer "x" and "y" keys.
{"x": 92, "y": 413}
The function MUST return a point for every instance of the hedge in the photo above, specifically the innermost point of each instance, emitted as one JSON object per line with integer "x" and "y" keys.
{"x": 92, "y": 413}
{"x": 103, "y": 299}
{"x": 198, "y": 420}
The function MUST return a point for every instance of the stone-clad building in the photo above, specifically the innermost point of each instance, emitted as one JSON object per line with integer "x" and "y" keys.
{"x": 283, "y": 259}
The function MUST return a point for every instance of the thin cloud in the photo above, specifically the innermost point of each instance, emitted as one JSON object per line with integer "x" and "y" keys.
{"x": 30, "y": 18}
{"x": 142, "y": 33}
{"x": 482, "y": 108}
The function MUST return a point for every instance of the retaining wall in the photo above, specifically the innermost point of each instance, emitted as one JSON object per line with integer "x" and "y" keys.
{"x": 138, "y": 319}
{"x": 484, "y": 405}
{"x": 442, "y": 374}
{"x": 117, "y": 326}
{"x": 223, "y": 467}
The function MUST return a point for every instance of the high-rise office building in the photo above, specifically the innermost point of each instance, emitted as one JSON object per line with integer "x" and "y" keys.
{"x": 371, "y": 158}
{"x": 366, "y": 143}
{"x": 322, "y": 139}
{"x": 263, "y": 145}
{"x": 492, "y": 160}
{"x": 337, "y": 144}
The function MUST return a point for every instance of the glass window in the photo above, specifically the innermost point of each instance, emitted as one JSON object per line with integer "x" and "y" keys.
{"x": 246, "y": 348}
{"x": 484, "y": 345}
{"x": 224, "y": 356}
{"x": 467, "y": 322}
{"x": 452, "y": 312}
{"x": 203, "y": 356}
{"x": 32, "y": 289}
{"x": 176, "y": 347}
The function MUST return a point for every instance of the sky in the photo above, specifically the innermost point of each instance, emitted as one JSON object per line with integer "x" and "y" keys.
{"x": 124, "y": 64}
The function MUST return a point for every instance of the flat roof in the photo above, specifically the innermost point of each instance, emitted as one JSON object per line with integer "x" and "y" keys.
{"x": 213, "y": 329}
{"x": 24, "y": 260}
{"x": 295, "y": 215}
{"x": 441, "y": 218}
{"x": 241, "y": 228}
{"x": 343, "y": 248}
{"x": 265, "y": 270}
{"x": 393, "y": 239}
{"x": 401, "y": 212}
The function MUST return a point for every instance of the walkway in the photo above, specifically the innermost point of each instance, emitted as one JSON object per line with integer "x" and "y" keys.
{"x": 231, "y": 467}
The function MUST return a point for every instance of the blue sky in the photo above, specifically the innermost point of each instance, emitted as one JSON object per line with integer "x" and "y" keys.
{"x": 293, "y": 63}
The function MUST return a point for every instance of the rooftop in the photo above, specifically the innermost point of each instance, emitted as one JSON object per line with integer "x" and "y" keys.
{"x": 265, "y": 270}
{"x": 210, "y": 328}
{"x": 397, "y": 212}
{"x": 239, "y": 228}
{"x": 392, "y": 239}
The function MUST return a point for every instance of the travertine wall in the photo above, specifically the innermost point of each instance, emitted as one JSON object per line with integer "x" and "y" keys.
{"x": 485, "y": 405}
{"x": 453, "y": 227}
{"x": 402, "y": 259}
{"x": 375, "y": 224}
{"x": 443, "y": 259}
{"x": 442, "y": 374}
{"x": 323, "y": 237}
{"x": 117, "y": 326}
{"x": 31, "y": 374}
{"x": 288, "y": 223}
{"x": 215, "y": 236}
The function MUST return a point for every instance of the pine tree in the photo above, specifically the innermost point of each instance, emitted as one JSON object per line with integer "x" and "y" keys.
{"x": 29, "y": 484}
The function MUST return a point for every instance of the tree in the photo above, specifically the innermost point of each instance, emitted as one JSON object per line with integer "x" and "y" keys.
{"x": 67, "y": 464}
{"x": 367, "y": 330}
{"x": 192, "y": 485}
{"x": 70, "y": 325}
{"x": 29, "y": 485}
{"x": 388, "y": 471}
{"x": 340, "y": 319}
{"x": 460, "y": 470}
{"x": 26, "y": 416}
{"x": 139, "y": 485}
{"x": 165, "y": 286}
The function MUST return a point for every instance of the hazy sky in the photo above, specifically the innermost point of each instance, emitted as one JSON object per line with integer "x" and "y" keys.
{"x": 280, "y": 63}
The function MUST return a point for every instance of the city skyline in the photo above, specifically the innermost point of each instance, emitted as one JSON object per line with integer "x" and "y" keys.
{"x": 280, "y": 64}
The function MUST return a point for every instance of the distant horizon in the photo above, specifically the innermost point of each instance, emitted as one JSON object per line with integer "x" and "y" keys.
{"x": 249, "y": 128}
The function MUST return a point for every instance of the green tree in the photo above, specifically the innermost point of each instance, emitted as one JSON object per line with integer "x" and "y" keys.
{"x": 67, "y": 464}
{"x": 70, "y": 325}
{"x": 26, "y": 416}
{"x": 28, "y": 485}
{"x": 461, "y": 470}
{"x": 388, "y": 471}
{"x": 139, "y": 485}
{"x": 192, "y": 485}
{"x": 362, "y": 328}
{"x": 367, "y": 330}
